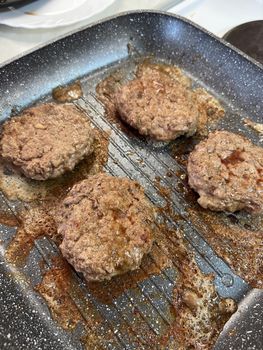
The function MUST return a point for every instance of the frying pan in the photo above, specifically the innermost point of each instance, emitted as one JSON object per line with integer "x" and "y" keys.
{"x": 90, "y": 54}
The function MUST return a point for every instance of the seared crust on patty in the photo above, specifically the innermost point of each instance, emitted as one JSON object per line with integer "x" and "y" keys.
{"x": 46, "y": 140}
{"x": 227, "y": 172}
{"x": 158, "y": 106}
{"x": 106, "y": 224}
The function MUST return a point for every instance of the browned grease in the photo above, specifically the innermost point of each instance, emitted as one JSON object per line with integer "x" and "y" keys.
{"x": 210, "y": 111}
{"x": 165, "y": 192}
{"x": 55, "y": 289}
{"x": 181, "y": 148}
{"x": 34, "y": 223}
{"x": 240, "y": 244}
{"x": 69, "y": 305}
{"x": 8, "y": 218}
{"x": 200, "y": 313}
{"x": 68, "y": 93}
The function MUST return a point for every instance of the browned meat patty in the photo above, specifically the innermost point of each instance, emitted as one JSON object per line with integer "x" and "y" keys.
{"x": 227, "y": 172}
{"x": 158, "y": 106}
{"x": 47, "y": 140}
{"x": 106, "y": 224}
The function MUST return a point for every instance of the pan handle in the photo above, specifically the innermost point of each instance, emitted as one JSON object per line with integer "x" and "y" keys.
{"x": 244, "y": 324}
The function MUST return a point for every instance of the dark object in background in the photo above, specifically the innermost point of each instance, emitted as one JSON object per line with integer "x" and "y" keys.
{"x": 248, "y": 37}
{"x": 4, "y": 3}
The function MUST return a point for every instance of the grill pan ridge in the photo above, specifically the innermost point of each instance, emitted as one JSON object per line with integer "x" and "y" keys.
{"x": 90, "y": 55}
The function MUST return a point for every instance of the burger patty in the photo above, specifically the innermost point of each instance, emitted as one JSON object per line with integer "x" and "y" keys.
{"x": 158, "y": 106}
{"x": 47, "y": 140}
{"x": 227, "y": 172}
{"x": 106, "y": 224}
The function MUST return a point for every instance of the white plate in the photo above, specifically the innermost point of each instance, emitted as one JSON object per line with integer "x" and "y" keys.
{"x": 52, "y": 13}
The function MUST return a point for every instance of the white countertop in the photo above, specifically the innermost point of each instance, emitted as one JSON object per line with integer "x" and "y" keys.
{"x": 219, "y": 16}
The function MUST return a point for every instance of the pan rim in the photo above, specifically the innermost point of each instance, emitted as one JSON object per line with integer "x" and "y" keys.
{"x": 126, "y": 14}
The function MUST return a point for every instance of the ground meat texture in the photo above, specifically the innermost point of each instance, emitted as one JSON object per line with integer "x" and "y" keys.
{"x": 106, "y": 224}
{"x": 47, "y": 140}
{"x": 227, "y": 172}
{"x": 158, "y": 106}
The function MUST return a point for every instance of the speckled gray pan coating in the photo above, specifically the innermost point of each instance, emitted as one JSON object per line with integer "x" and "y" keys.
{"x": 246, "y": 323}
{"x": 235, "y": 79}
